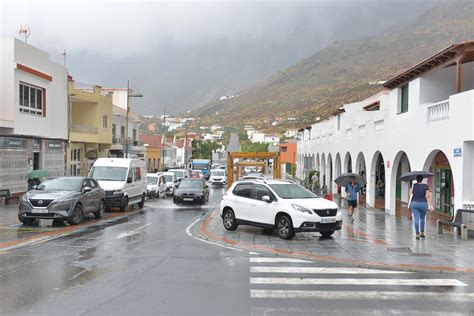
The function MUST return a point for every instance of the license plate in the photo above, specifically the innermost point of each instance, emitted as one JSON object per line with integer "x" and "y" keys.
{"x": 328, "y": 220}
{"x": 188, "y": 199}
{"x": 39, "y": 211}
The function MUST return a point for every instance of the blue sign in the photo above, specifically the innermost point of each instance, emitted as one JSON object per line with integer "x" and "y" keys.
{"x": 457, "y": 152}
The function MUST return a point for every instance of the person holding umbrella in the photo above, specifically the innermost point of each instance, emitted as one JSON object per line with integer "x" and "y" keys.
{"x": 352, "y": 190}
{"x": 420, "y": 204}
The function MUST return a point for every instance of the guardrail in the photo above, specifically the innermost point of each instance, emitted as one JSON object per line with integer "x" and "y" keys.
{"x": 438, "y": 112}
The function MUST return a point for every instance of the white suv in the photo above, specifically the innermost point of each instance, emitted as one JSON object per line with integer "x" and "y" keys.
{"x": 278, "y": 204}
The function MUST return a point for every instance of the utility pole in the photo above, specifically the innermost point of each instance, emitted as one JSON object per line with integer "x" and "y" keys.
{"x": 185, "y": 143}
{"x": 126, "y": 123}
{"x": 164, "y": 140}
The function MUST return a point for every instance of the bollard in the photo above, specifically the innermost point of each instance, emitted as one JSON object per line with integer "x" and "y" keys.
{"x": 2, "y": 201}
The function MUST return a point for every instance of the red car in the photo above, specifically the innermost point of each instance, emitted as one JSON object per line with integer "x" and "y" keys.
{"x": 197, "y": 174}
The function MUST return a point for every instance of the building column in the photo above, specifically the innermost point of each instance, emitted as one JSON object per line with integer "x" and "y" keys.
{"x": 458, "y": 76}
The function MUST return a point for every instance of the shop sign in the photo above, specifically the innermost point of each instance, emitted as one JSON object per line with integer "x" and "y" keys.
{"x": 13, "y": 143}
{"x": 457, "y": 152}
{"x": 55, "y": 144}
{"x": 91, "y": 154}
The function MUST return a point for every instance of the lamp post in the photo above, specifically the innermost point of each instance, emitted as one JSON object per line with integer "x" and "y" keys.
{"x": 129, "y": 95}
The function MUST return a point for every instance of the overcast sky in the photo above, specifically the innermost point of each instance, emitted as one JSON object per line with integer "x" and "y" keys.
{"x": 182, "y": 54}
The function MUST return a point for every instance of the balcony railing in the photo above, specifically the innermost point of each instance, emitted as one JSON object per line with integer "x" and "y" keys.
{"x": 84, "y": 129}
{"x": 438, "y": 112}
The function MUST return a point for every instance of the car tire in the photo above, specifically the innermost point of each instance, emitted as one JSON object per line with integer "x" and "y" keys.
{"x": 284, "y": 227}
{"x": 100, "y": 212}
{"x": 229, "y": 221}
{"x": 142, "y": 202}
{"x": 124, "y": 206}
{"x": 57, "y": 222}
{"x": 26, "y": 221}
{"x": 327, "y": 234}
{"x": 77, "y": 215}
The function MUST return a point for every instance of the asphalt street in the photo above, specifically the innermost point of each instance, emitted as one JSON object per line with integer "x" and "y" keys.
{"x": 149, "y": 264}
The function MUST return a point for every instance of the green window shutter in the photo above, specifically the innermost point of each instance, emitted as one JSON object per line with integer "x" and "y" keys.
{"x": 404, "y": 105}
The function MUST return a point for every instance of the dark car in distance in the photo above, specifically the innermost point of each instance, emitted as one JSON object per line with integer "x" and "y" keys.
{"x": 62, "y": 199}
{"x": 192, "y": 191}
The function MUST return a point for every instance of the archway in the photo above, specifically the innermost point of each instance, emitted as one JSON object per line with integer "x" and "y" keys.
{"x": 442, "y": 184}
{"x": 348, "y": 163}
{"x": 318, "y": 167}
{"x": 322, "y": 177}
{"x": 338, "y": 172}
{"x": 399, "y": 190}
{"x": 360, "y": 168}
{"x": 376, "y": 196}
{"x": 329, "y": 184}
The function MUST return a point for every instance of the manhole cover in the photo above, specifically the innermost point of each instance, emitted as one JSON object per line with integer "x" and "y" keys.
{"x": 398, "y": 249}
{"x": 421, "y": 254}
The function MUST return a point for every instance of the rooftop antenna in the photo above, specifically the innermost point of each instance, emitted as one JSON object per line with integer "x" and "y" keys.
{"x": 64, "y": 54}
{"x": 24, "y": 32}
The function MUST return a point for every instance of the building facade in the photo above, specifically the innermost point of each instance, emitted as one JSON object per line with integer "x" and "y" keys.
{"x": 421, "y": 120}
{"x": 33, "y": 114}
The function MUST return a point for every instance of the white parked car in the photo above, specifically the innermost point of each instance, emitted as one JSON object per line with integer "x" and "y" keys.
{"x": 180, "y": 173}
{"x": 123, "y": 180}
{"x": 218, "y": 176}
{"x": 279, "y": 204}
{"x": 156, "y": 185}
{"x": 171, "y": 182}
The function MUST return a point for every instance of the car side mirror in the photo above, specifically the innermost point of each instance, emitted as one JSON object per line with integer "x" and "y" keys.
{"x": 129, "y": 180}
{"x": 34, "y": 187}
{"x": 267, "y": 199}
{"x": 87, "y": 189}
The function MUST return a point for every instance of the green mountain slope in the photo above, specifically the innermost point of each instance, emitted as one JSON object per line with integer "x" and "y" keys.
{"x": 342, "y": 72}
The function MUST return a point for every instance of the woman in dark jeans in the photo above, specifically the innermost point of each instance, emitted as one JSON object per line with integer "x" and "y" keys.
{"x": 420, "y": 204}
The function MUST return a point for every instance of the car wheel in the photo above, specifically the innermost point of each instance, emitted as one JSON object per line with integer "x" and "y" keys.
{"x": 27, "y": 221}
{"x": 76, "y": 216}
{"x": 124, "y": 206}
{"x": 284, "y": 227}
{"x": 142, "y": 202}
{"x": 229, "y": 221}
{"x": 98, "y": 214}
{"x": 58, "y": 222}
{"x": 327, "y": 234}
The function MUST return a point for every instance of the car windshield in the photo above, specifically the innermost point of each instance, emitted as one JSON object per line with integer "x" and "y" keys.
{"x": 191, "y": 184}
{"x": 105, "y": 173}
{"x": 292, "y": 191}
{"x": 178, "y": 173}
{"x": 151, "y": 180}
{"x": 218, "y": 173}
{"x": 61, "y": 184}
{"x": 169, "y": 178}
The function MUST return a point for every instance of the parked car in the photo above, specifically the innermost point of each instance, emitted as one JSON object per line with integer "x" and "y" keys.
{"x": 279, "y": 204}
{"x": 123, "y": 179}
{"x": 171, "y": 183}
{"x": 218, "y": 176}
{"x": 254, "y": 176}
{"x": 156, "y": 185}
{"x": 192, "y": 191}
{"x": 62, "y": 199}
{"x": 180, "y": 173}
{"x": 197, "y": 174}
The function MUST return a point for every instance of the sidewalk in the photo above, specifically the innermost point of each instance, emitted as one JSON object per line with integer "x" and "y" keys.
{"x": 374, "y": 239}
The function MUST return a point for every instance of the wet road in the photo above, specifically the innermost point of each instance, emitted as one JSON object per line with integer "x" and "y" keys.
{"x": 148, "y": 264}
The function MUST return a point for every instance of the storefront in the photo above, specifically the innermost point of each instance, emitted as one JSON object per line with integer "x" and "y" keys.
{"x": 442, "y": 184}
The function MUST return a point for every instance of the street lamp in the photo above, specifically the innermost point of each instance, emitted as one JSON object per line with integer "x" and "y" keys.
{"x": 129, "y": 95}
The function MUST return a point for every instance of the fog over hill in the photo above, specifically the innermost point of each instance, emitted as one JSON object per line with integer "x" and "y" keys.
{"x": 184, "y": 54}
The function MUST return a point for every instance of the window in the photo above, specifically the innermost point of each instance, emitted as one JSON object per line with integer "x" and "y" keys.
{"x": 339, "y": 122}
{"x": 138, "y": 174}
{"x": 283, "y": 149}
{"x": 243, "y": 190}
{"x": 404, "y": 99}
{"x": 122, "y": 132}
{"x": 105, "y": 118}
{"x": 260, "y": 191}
{"x": 114, "y": 129}
{"x": 31, "y": 99}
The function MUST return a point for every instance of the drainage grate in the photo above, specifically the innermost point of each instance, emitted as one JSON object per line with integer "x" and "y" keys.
{"x": 398, "y": 249}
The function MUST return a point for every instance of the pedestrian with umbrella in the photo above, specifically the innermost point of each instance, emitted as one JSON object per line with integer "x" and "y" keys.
{"x": 353, "y": 182}
{"x": 420, "y": 200}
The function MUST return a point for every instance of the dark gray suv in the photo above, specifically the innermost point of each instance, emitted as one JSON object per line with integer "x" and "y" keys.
{"x": 62, "y": 199}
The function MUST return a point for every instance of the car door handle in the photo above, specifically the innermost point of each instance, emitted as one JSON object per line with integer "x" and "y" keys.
{"x": 253, "y": 204}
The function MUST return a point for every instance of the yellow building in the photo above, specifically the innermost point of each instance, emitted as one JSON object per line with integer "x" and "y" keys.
{"x": 90, "y": 128}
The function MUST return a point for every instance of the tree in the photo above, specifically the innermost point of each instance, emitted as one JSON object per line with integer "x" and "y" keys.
{"x": 203, "y": 149}
{"x": 254, "y": 147}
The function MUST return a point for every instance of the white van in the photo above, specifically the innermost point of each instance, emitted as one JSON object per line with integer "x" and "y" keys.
{"x": 156, "y": 185}
{"x": 124, "y": 181}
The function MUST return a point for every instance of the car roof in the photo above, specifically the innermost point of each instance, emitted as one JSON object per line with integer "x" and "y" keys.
{"x": 265, "y": 181}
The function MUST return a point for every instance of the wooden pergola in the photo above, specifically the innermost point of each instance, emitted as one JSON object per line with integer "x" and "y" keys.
{"x": 254, "y": 162}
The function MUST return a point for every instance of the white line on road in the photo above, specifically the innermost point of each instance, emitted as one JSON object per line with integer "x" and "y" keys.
{"x": 322, "y": 270}
{"x": 253, "y": 253}
{"x": 408, "y": 282}
{"x": 188, "y": 230}
{"x": 277, "y": 260}
{"x": 363, "y": 295}
{"x": 216, "y": 244}
{"x": 132, "y": 232}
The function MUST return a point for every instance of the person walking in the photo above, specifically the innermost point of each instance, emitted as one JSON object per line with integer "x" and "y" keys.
{"x": 352, "y": 190}
{"x": 314, "y": 181}
{"x": 420, "y": 204}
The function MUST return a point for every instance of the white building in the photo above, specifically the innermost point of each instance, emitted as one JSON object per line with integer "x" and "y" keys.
{"x": 422, "y": 120}
{"x": 33, "y": 114}
{"x": 291, "y": 133}
{"x": 271, "y": 139}
{"x": 119, "y": 135}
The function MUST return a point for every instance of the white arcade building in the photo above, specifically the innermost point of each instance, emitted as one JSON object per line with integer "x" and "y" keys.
{"x": 421, "y": 120}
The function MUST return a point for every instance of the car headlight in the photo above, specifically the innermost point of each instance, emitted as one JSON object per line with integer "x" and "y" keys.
{"x": 67, "y": 201}
{"x": 301, "y": 209}
{"x": 117, "y": 192}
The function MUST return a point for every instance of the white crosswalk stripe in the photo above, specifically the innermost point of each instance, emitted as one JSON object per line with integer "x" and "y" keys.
{"x": 291, "y": 278}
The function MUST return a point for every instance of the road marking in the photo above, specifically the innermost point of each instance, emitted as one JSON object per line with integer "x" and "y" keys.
{"x": 188, "y": 230}
{"x": 363, "y": 295}
{"x": 407, "y": 282}
{"x": 323, "y": 270}
{"x": 132, "y": 232}
{"x": 253, "y": 253}
{"x": 216, "y": 244}
{"x": 277, "y": 260}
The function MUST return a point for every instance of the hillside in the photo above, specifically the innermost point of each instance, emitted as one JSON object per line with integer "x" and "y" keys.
{"x": 341, "y": 73}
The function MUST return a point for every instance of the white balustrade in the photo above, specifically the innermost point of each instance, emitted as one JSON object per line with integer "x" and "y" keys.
{"x": 438, "y": 112}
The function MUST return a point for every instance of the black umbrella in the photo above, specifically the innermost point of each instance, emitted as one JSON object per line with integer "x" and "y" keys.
{"x": 411, "y": 176}
{"x": 345, "y": 178}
